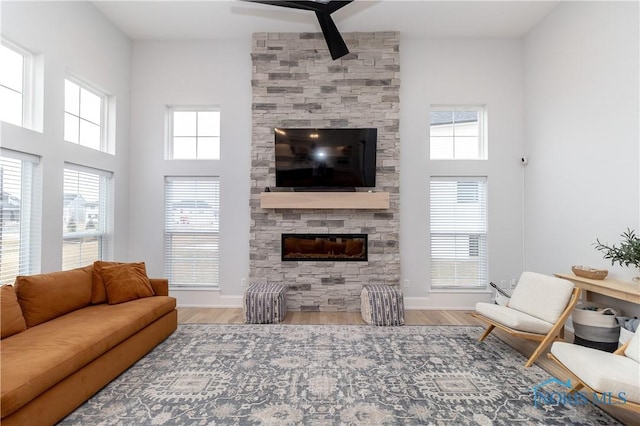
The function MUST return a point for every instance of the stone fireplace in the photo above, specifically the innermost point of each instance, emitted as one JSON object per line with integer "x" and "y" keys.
{"x": 295, "y": 83}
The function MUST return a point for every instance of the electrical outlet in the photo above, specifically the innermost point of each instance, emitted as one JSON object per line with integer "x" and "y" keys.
{"x": 406, "y": 283}
{"x": 243, "y": 282}
{"x": 514, "y": 282}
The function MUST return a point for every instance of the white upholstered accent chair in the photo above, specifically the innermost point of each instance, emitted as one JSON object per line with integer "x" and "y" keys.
{"x": 538, "y": 309}
{"x": 603, "y": 372}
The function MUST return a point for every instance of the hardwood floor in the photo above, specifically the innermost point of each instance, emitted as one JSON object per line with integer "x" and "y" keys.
{"x": 234, "y": 316}
{"x": 413, "y": 317}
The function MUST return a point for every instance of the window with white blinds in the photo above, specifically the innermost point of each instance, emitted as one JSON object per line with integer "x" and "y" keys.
{"x": 20, "y": 214}
{"x": 458, "y": 232}
{"x": 192, "y": 231}
{"x": 87, "y": 209}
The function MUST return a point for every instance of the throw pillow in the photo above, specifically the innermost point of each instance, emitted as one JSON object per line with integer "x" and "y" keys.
{"x": 11, "y": 318}
{"x": 98, "y": 292}
{"x": 126, "y": 282}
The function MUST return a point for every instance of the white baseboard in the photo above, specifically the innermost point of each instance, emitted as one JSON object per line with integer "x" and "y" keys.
{"x": 205, "y": 299}
{"x": 452, "y": 301}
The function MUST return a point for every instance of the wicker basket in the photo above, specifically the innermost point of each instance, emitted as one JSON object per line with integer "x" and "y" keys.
{"x": 586, "y": 272}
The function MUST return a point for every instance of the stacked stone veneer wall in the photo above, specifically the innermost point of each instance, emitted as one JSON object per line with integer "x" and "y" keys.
{"x": 295, "y": 83}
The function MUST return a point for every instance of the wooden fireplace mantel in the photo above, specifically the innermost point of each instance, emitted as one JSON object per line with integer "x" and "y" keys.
{"x": 324, "y": 200}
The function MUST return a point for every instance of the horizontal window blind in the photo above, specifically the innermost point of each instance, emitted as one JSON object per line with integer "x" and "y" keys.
{"x": 86, "y": 216}
{"x": 458, "y": 232}
{"x": 20, "y": 213}
{"x": 192, "y": 228}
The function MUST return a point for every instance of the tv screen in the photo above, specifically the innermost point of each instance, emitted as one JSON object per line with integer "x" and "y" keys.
{"x": 325, "y": 157}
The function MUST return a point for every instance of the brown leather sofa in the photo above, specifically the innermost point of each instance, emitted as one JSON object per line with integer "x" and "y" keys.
{"x": 64, "y": 336}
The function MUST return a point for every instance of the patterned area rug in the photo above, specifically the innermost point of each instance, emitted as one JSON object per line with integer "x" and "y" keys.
{"x": 329, "y": 375}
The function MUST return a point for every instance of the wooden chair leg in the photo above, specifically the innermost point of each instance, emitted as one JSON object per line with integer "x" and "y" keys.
{"x": 549, "y": 338}
{"x": 557, "y": 328}
{"x": 486, "y": 332}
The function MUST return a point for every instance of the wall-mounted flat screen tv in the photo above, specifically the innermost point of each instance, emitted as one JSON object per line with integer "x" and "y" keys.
{"x": 329, "y": 158}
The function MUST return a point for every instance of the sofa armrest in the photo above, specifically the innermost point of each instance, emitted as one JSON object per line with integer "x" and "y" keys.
{"x": 160, "y": 286}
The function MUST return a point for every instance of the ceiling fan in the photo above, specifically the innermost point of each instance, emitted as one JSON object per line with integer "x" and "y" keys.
{"x": 323, "y": 10}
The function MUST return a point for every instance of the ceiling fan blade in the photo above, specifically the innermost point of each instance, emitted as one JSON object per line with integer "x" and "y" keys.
{"x": 323, "y": 10}
{"x": 292, "y": 4}
{"x": 335, "y": 42}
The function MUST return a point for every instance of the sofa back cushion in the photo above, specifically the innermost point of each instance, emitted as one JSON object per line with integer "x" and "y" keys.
{"x": 47, "y": 296}
{"x": 541, "y": 296}
{"x": 11, "y": 319}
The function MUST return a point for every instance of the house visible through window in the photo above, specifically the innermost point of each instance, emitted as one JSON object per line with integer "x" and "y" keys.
{"x": 457, "y": 133}
{"x": 84, "y": 113}
{"x": 458, "y": 232}
{"x": 19, "y": 215}
{"x": 85, "y": 217}
{"x": 192, "y": 231}
{"x": 194, "y": 135}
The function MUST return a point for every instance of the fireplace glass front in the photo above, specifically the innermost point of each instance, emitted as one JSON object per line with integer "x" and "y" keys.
{"x": 329, "y": 247}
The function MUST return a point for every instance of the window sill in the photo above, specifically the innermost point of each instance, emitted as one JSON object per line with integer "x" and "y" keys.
{"x": 469, "y": 290}
{"x": 194, "y": 288}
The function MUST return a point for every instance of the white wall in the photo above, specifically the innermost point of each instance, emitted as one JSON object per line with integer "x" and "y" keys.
{"x": 460, "y": 71}
{"x": 190, "y": 74}
{"x": 71, "y": 37}
{"x": 582, "y": 135}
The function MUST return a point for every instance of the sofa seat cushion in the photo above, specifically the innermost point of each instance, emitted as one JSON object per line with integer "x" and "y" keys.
{"x": 601, "y": 371}
{"x": 513, "y": 318}
{"x": 38, "y": 358}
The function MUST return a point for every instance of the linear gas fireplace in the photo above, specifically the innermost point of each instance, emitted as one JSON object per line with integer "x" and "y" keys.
{"x": 329, "y": 247}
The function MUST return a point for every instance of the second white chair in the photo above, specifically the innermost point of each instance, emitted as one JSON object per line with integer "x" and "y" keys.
{"x": 538, "y": 309}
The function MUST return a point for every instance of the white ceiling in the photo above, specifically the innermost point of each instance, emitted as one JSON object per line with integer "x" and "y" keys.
{"x": 215, "y": 19}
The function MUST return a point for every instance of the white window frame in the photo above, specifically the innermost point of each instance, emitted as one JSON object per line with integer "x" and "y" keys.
{"x": 169, "y": 145}
{"x": 482, "y": 130}
{"x": 28, "y": 83}
{"x": 29, "y": 240}
{"x": 458, "y": 233}
{"x": 103, "y": 231}
{"x": 203, "y": 224}
{"x": 104, "y": 112}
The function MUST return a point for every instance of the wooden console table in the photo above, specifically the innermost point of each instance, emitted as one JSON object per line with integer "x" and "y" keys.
{"x": 622, "y": 290}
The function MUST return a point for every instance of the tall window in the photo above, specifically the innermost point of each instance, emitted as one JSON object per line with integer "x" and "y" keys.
{"x": 194, "y": 135}
{"x": 14, "y": 83}
{"x": 192, "y": 231}
{"x": 457, "y": 133}
{"x": 84, "y": 115}
{"x": 458, "y": 232}
{"x": 19, "y": 215}
{"x": 86, "y": 216}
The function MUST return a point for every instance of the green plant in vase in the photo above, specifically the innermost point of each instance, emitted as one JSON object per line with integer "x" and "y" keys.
{"x": 626, "y": 254}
